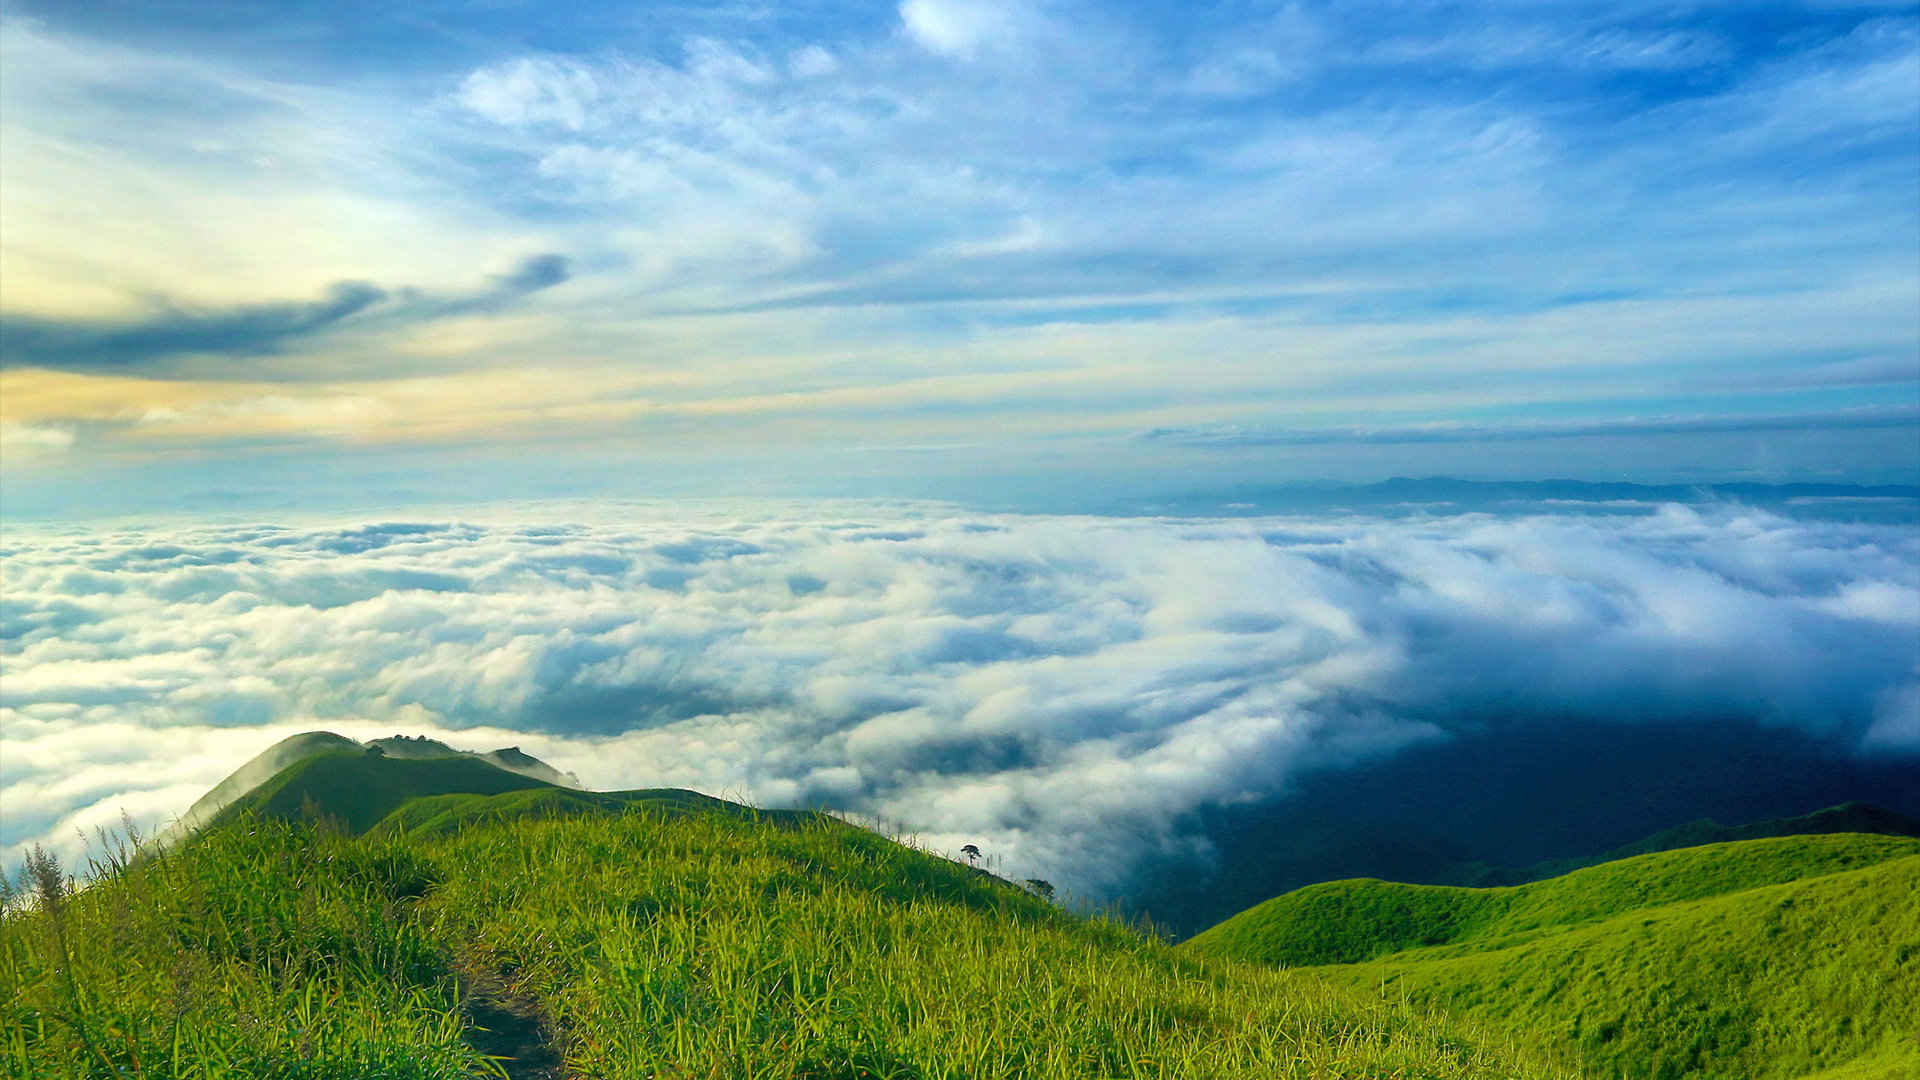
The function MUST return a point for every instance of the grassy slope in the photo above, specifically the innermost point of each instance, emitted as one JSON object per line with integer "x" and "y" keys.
{"x": 654, "y": 945}
{"x": 262, "y": 768}
{"x": 357, "y": 790}
{"x": 1781, "y": 981}
{"x": 1350, "y": 921}
{"x": 826, "y": 952}
{"x": 1758, "y": 959}
{"x": 436, "y": 815}
{"x": 267, "y": 951}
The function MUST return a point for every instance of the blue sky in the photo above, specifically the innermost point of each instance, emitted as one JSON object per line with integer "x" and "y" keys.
{"x": 952, "y": 245}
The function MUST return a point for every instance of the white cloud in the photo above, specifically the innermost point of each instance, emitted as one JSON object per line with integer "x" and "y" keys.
{"x": 1054, "y": 688}
{"x": 534, "y": 90}
{"x": 35, "y": 440}
{"x": 962, "y": 28}
{"x": 811, "y": 62}
{"x": 1896, "y": 724}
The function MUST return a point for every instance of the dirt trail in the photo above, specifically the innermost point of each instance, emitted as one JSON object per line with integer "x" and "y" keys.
{"x": 509, "y": 1027}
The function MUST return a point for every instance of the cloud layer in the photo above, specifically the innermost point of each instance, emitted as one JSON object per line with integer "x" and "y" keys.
{"x": 1060, "y": 690}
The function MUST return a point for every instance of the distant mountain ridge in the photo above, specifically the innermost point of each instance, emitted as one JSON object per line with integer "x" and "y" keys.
{"x": 510, "y": 758}
{"x": 276, "y": 759}
{"x": 425, "y": 794}
{"x": 1304, "y": 850}
{"x": 1851, "y": 817}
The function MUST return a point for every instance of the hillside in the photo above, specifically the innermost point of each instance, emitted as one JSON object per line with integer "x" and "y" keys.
{"x": 294, "y": 749}
{"x": 1782, "y": 981}
{"x": 262, "y": 767}
{"x": 1762, "y": 958}
{"x": 356, "y": 790}
{"x": 629, "y": 935}
{"x": 1340, "y": 922}
{"x": 1267, "y": 854}
{"x": 436, "y": 815}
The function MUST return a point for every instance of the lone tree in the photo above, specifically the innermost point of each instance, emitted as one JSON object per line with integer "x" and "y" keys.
{"x": 972, "y": 853}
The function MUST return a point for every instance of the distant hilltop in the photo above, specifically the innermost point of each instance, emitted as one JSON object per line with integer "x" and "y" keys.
{"x": 510, "y": 758}
{"x": 296, "y": 748}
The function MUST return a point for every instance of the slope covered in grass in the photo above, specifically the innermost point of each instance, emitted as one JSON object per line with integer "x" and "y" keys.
{"x": 268, "y": 950}
{"x": 1350, "y": 921}
{"x": 263, "y": 767}
{"x": 1815, "y": 976}
{"x": 293, "y": 749}
{"x": 647, "y": 943}
{"x": 1769, "y": 958}
{"x": 826, "y": 951}
{"x": 433, "y": 815}
{"x": 355, "y": 790}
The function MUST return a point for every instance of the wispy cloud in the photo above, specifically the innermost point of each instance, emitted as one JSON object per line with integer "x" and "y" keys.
{"x": 1276, "y": 207}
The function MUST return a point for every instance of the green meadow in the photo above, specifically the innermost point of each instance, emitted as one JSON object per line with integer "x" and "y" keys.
{"x": 1774, "y": 958}
{"x": 534, "y": 932}
{"x": 361, "y": 915}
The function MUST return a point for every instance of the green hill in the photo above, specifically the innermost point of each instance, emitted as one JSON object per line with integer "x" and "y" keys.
{"x": 434, "y": 815}
{"x": 293, "y": 749}
{"x": 1341, "y": 922}
{"x": 1815, "y": 975}
{"x": 530, "y": 931}
{"x": 355, "y": 789}
{"x": 1273, "y": 855}
{"x": 1762, "y": 958}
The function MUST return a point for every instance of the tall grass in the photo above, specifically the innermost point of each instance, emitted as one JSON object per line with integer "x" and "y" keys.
{"x": 266, "y": 950}
{"x": 665, "y": 947}
{"x": 1819, "y": 975}
{"x": 647, "y": 944}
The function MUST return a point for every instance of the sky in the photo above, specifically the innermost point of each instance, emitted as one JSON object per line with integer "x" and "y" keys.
{"x": 893, "y": 406}
{"x": 985, "y": 248}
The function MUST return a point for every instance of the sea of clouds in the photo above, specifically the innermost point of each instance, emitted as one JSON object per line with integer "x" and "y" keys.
{"x": 1059, "y": 690}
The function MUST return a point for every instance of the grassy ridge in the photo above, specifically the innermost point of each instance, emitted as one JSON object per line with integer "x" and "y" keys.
{"x": 1781, "y": 981}
{"x": 434, "y": 815}
{"x": 1754, "y": 960}
{"x": 1351, "y": 921}
{"x": 646, "y": 943}
{"x": 357, "y": 790}
{"x": 823, "y": 952}
{"x": 264, "y": 951}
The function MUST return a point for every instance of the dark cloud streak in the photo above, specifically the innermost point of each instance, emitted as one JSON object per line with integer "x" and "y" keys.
{"x": 153, "y": 345}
